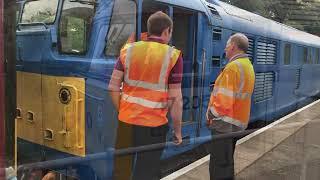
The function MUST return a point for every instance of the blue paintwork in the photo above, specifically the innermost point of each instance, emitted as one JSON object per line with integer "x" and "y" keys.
{"x": 37, "y": 52}
{"x": 192, "y": 5}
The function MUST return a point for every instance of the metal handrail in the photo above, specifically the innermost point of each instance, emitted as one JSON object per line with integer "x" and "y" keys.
{"x": 110, "y": 153}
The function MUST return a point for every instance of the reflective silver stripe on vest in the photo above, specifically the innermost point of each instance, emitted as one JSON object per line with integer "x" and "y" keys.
{"x": 214, "y": 112}
{"x": 165, "y": 66}
{"x": 239, "y": 94}
{"x": 161, "y": 86}
{"x": 228, "y": 119}
{"x": 144, "y": 102}
{"x": 230, "y": 93}
{"x": 234, "y": 122}
{"x": 241, "y": 75}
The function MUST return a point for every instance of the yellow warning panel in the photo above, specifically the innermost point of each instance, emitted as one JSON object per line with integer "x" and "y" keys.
{"x": 61, "y": 113}
{"x": 29, "y": 107}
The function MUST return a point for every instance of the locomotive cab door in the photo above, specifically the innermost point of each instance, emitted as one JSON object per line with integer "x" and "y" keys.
{"x": 184, "y": 38}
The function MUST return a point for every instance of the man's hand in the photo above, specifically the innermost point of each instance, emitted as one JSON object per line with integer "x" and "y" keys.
{"x": 177, "y": 138}
{"x": 211, "y": 118}
{"x": 49, "y": 176}
{"x": 209, "y": 121}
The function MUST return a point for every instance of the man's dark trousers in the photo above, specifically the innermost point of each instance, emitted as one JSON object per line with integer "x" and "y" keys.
{"x": 144, "y": 165}
{"x": 221, "y": 164}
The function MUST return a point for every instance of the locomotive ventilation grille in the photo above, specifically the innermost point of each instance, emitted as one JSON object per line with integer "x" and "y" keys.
{"x": 214, "y": 11}
{"x": 266, "y": 52}
{"x": 263, "y": 88}
{"x": 250, "y": 51}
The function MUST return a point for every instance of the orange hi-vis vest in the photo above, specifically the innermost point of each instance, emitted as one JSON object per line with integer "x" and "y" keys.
{"x": 231, "y": 96}
{"x": 144, "y": 98}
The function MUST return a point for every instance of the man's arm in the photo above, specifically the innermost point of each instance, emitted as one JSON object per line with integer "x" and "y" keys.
{"x": 175, "y": 98}
{"x": 114, "y": 87}
{"x": 175, "y": 107}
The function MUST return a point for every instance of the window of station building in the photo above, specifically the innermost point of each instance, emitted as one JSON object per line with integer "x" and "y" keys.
{"x": 287, "y": 54}
{"x": 17, "y": 16}
{"x": 122, "y": 26}
{"x": 43, "y": 11}
{"x": 18, "y": 10}
{"x": 75, "y": 26}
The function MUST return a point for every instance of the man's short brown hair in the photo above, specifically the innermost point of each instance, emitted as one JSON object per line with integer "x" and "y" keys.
{"x": 158, "y": 22}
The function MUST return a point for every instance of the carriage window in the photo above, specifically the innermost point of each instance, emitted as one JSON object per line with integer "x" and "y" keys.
{"x": 305, "y": 55}
{"x": 310, "y": 57}
{"x": 40, "y": 11}
{"x": 74, "y": 27}
{"x": 287, "y": 53}
{"x": 122, "y": 26}
{"x": 317, "y": 56}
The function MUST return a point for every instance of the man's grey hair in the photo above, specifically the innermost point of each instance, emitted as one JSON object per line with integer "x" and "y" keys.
{"x": 241, "y": 41}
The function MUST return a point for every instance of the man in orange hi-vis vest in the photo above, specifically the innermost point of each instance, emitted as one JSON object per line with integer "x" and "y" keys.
{"x": 229, "y": 106}
{"x": 151, "y": 74}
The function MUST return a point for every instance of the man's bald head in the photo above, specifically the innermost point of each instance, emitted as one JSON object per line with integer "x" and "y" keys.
{"x": 241, "y": 41}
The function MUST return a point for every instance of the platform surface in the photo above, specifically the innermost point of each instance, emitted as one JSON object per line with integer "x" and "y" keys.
{"x": 286, "y": 149}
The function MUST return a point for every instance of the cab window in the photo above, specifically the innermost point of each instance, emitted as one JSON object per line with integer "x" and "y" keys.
{"x": 75, "y": 26}
{"x": 40, "y": 11}
{"x": 122, "y": 26}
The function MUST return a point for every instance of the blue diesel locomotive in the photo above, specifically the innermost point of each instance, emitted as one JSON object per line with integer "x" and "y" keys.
{"x": 66, "y": 51}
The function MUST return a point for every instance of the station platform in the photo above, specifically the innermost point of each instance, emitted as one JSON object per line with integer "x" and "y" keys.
{"x": 289, "y": 148}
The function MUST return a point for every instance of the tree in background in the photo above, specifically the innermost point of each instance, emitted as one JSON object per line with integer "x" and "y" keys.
{"x": 301, "y": 14}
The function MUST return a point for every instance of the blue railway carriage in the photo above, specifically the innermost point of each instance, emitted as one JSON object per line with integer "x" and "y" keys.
{"x": 67, "y": 49}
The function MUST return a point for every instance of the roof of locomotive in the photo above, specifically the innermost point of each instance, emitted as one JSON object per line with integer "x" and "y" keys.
{"x": 247, "y": 22}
